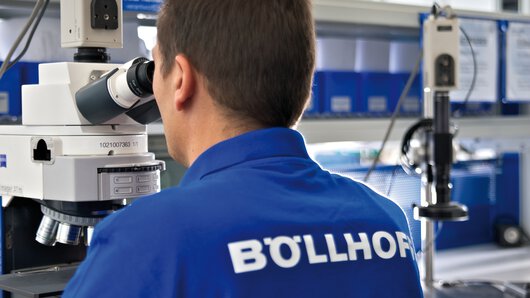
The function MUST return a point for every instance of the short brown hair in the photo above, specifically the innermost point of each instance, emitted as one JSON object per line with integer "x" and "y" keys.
{"x": 257, "y": 56}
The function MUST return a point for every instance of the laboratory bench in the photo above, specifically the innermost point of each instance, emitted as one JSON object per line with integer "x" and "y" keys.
{"x": 481, "y": 271}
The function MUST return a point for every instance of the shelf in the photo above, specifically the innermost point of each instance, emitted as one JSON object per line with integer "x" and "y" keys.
{"x": 335, "y": 11}
{"x": 317, "y": 131}
{"x": 387, "y": 14}
{"x": 367, "y": 13}
{"x": 483, "y": 262}
{"x": 336, "y": 130}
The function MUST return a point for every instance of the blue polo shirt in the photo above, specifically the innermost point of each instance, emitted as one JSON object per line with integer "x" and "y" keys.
{"x": 254, "y": 216}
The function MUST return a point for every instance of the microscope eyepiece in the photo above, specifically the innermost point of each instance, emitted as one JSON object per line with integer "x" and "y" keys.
{"x": 122, "y": 90}
{"x": 140, "y": 77}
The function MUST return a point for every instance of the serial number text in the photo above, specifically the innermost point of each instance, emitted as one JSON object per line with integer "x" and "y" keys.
{"x": 126, "y": 144}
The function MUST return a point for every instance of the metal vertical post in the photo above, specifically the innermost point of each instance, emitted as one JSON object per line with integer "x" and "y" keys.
{"x": 427, "y": 226}
{"x": 427, "y": 236}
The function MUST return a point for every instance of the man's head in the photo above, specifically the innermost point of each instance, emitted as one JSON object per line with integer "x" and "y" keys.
{"x": 256, "y": 57}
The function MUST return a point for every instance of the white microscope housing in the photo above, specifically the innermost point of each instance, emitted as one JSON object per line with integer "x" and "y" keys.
{"x": 80, "y": 170}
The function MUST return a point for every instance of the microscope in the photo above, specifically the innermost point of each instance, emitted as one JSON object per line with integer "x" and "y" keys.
{"x": 81, "y": 151}
{"x": 441, "y": 50}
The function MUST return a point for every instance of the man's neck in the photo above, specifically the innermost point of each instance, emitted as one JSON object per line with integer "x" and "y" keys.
{"x": 213, "y": 132}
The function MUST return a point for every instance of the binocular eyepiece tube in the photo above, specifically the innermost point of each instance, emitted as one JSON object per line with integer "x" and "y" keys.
{"x": 127, "y": 89}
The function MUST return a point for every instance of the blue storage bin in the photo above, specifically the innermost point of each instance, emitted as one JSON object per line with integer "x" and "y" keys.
{"x": 473, "y": 190}
{"x": 489, "y": 188}
{"x": 341, "y": 92}
{"x": 10, "y": 92}
{"x": 314, "y": 105}
{"x": 142, "y": 5}
{"x": 478, "y": 229}
{"x": 29, "y": 73}
{"x": 412, "y": 102}
{"x": 507, "y": 187}
{"x": 375, "y": 94}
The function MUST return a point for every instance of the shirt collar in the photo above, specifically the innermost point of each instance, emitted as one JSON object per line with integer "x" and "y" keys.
{"x": 257, "y": 144}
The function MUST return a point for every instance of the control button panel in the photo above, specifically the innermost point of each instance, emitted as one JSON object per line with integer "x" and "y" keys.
{"x": 123, "y": 190}
{"x": 123, "y": 179}
{"x": 125, "y": 185}
{"x": 143, "y": 189}
{"x": 144, "y": 178}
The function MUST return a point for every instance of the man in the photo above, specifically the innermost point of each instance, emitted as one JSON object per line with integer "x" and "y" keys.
{"x": 254, "y": 216}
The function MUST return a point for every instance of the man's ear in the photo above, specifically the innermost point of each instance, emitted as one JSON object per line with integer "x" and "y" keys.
{"x": 185, "y": 82}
